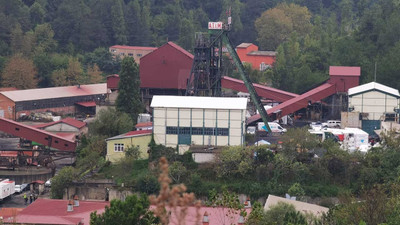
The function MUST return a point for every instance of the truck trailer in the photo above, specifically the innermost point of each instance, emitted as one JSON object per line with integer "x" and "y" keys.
{"x": 7, "y": 188}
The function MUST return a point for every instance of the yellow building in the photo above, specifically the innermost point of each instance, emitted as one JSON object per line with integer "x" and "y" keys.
{"x": 136, "y": 52}
{"x": 117, "y": 145}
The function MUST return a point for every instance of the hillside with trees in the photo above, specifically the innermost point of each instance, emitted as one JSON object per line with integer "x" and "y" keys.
{"x": 64, "y": 42}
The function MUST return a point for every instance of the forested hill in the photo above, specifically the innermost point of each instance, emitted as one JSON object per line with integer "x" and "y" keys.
{"x": 53, "y": 37}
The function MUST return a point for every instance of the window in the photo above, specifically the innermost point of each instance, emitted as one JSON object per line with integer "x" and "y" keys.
{"x": 223, "y": 132}
{"x": 198, "y": 131}
{"x": 184, "y": 130}
{"x": 130, "y": 54}
{"x": 122, "y": 53}
{"x": 118, "y": 147}
{"x": 113, "y": 50}
{"x": 172, "y": 130}
{"x": 139, "y": 55}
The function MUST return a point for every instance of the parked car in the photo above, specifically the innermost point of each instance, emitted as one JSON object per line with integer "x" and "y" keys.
{"x": 332, "y": 124}
{"x": 316, "y": 125}
{"x": 20, "y": 188}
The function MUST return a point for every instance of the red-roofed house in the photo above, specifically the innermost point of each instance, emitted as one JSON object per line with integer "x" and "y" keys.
{"x": 52, "y": 211}
{"x": 136, "y": 52}
{"x": 165, "y": 71}
{"x": 116, "y": 146}
{"x": 259, "y": 60}
{"x": 64, "y": 127}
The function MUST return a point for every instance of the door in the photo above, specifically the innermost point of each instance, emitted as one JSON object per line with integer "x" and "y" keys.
{"x": 184, "y": 139}
{"x": 370, "y": 125}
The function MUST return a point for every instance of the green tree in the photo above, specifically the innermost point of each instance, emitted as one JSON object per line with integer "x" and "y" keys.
{"x": 134, "y": 210}
{"x": 177, "y": 172}
{"x": 61, "y": 181}
{"x": 118, "y": 22}
{"x": 133, "y": 22}
{"x": 275, "y": 25}
{"x": 110, "y": 122}
{"x": 44, "y": 39}
{"x": 104, "y": 59}
{"x": 296, "y": 190}
{"x": 234, "y": 161}
{"x": 72, "y": 75}
{"x": 17, "y": 40}
{"x": 94, "y": 74}
{"x": 37, "y": 13}
{"x": 129, "y": 99}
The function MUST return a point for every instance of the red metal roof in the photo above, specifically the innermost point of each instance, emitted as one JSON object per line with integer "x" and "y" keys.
{"x": 133, "y": 47}
{"x": 145, "y": 124}
{"x": 216, "y": 215}
{"x": 70, "y": 121}
{"x": 37, "y": 135}
{"x": 113, "y": 75}
{"x": 8, "y": 89}
{"x": 8, "y": 214}
{"x": 344, "y": 71}
{"x": 181, "y": 49}
{"x": 168, "y": 67}
{"x": 8, "y": 153}
{"x": 294, "y": 104}
{"x": 87, "y": 104}
{"x": 56, "y": 92}
{"x": 66, "y": 135}
{"x": 52, "y": 211}
{"x": 137, "y": 133}
{"x": 38, "y": 182}
{"x": 263, "y": 91}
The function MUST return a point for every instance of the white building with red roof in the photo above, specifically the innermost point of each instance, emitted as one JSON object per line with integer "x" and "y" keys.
{"x": 64, "y": 127}
{"x": 117, "y": 146}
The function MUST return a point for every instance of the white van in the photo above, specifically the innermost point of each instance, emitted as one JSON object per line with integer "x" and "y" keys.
{"x": 275, "y": 127}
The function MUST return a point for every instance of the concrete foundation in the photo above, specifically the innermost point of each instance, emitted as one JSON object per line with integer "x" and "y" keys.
{"x": 26, "y": 175}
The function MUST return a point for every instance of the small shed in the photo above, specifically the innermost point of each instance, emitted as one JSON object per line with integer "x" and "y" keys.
{"x": 37, "y": 187}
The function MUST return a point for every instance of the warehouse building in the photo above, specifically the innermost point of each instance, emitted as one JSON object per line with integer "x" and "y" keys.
{"x": 375, "y": 103}
{"x": 186, "y": 121}
{"x": 165, "y": 71}
{"x": 61, "y": 100}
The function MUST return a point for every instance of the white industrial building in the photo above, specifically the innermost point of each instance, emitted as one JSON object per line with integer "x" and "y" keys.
{"x": 375, "y": 103}
{"x": 374, "y": 100}
{"x": 200, "y": 121}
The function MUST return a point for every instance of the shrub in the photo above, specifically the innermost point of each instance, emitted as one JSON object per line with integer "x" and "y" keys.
{"x": 61, "y": 181}
{"x": 147, "y": 184}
